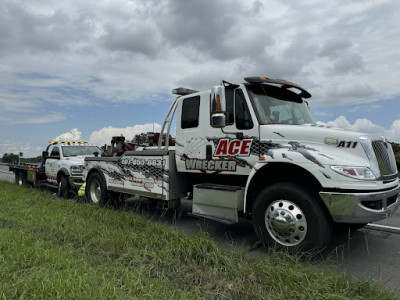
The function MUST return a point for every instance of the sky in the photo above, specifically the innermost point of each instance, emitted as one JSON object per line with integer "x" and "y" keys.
{"x": 88, "y": 70}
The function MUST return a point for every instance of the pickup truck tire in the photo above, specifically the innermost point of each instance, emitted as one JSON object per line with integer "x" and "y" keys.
{"x": 63, "y": 187}
{"x": 96, "y": 191}
{"x": 288, "y": 216}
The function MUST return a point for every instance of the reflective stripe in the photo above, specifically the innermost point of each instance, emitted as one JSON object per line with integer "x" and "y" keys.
{"x": 81, "y": 191}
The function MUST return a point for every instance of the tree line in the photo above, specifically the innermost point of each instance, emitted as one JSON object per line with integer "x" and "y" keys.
{"x": 12, "y": 157}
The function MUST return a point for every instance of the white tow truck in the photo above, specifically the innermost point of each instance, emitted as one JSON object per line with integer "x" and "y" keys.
{"x": 62, "y": 166}
{"x": 252, "y": 150}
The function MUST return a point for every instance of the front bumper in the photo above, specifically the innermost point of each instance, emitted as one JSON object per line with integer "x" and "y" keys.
{"x": 361, "y": 207}
{"x": 75, "y": 181}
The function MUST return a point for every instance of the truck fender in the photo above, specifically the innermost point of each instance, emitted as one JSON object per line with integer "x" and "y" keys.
{"x": 273, "y": 172}
{"x": 253, "y": 171}
{"x": 62, "y": 172}
{"x": 96, "y": 170}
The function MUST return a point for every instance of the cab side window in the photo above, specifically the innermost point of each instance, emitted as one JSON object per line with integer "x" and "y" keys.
{"x": 190, "y": 112}
{"x": 55, "y": 152}
{"x": 229, "y": 113}
{"x": 242, "y": 114}
{"x": 237, "y": 110}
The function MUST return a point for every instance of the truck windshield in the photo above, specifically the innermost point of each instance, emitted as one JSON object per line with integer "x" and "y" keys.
{"x": 79, "y": 150}
{"x": 276, "y": 105}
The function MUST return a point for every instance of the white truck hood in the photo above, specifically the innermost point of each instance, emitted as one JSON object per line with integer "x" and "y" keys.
{"x": 76, "y": 160}
{"x": 320, "y": 144}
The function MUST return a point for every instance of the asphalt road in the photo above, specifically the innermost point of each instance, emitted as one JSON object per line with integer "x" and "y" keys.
{"x": 5, "y": 175}
{"x": 372, "y": 253}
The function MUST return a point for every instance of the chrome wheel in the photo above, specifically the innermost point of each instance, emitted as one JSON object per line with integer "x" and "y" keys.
{"x": 286, "y": 222}
{"x": 95, "y": 191}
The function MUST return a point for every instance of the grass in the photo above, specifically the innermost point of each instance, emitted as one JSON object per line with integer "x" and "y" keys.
{"x": 60, "y": 249}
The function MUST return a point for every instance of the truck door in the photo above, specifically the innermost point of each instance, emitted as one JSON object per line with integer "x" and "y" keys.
{"x": 205, "y": 149}
{"x": 51, "y": 164}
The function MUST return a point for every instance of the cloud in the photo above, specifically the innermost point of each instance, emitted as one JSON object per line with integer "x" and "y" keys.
{"x": 361, "y": 125}
{"x": 133, "y": 37}
{"x": 199, "y": 25}
{"x": 127, "y": 45}
{"x": 348, "y": 63}
{"x": 73, "y": 136}
{"x": 333, "y": 48}
{"x": 393, "y": 134}
{"x": 365, "y": 108}
{"x": 34, "y": 31}
{"x": 41, "y": 119}
{"x": 104, "y": 135}
{"x": 367, "y": 126}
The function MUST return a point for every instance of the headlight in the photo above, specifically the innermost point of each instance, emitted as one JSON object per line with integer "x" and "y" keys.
{"x": 363, "y": 173}
{"x": 76, "y": 169}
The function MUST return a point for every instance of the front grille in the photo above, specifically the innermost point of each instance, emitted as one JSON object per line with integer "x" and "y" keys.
{"x": 376, "y": 204}
{"x": 385, "y": 157}
{"x": 391, "y": 200}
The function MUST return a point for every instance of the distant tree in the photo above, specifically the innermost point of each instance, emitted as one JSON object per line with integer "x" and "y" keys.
{"x": 36, "y": 159}
{"x": 140, "y": 138}
{"x": 9, "y": 157}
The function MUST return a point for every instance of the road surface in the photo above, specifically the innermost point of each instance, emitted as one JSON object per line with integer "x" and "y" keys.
{"x": 372, "y": 253}
{"x": 5, "y": 175}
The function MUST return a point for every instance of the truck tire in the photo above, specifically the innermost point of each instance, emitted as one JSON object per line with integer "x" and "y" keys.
{"x": 96, "y": 191}
{"x": 290, "y": 217}
{"x": 63, "y": 187}
{"x": 20, "y": 178}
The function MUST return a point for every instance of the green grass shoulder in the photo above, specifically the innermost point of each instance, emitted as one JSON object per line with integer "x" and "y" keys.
{"x": 52, "y": 248}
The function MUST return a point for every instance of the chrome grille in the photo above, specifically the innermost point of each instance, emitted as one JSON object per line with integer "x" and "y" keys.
{"x": 385, "y": 157}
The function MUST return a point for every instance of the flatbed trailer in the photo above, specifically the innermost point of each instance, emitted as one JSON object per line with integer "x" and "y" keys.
{"x": 28, "y": 173}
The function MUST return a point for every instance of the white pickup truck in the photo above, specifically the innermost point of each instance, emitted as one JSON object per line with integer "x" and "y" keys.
{"x": 252, "y": 150}
{"x": 61, "y": 166}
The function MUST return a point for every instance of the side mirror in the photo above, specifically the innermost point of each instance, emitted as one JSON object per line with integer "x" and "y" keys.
{"x": 45, "y": 154}
{"x": 218, "y": 107}
{"x": 218, "y": 120}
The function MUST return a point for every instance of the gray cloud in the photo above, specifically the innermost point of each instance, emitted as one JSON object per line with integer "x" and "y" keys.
{"x": 352, "y": 63}
{"x": 134, "y": 37}
{"x": 345, "y": 91}
{"x": 335, "y": 47}
{"x": 211, "y": 28}
{"x": 200, "y": 23}
{"x": 328, "y": 48}
{"x": 26, "y": 30}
